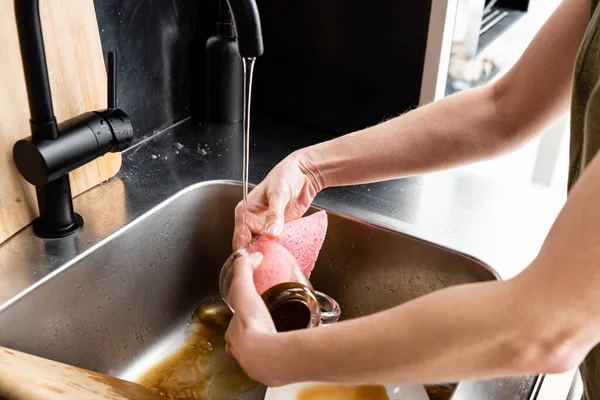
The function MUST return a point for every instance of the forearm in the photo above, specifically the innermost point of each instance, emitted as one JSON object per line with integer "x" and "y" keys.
{"x": 471, "y": 331}
{"x": 453, "y": 131}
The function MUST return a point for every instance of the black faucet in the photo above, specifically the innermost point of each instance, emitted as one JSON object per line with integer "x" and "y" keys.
{"x": 247, "y": 27}
{"x": 53, "y": 150}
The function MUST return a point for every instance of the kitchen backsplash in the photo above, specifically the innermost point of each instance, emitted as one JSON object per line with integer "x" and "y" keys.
{"x": 160, "y": 50}
{"x": 338, "y": 66}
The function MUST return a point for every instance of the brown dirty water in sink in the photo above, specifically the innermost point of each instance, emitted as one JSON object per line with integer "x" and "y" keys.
{"x": 440, "y": 392}
{"x": 201, "y": 369}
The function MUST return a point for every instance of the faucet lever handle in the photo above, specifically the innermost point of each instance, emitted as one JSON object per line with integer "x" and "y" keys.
{"x": 112, "y": 80}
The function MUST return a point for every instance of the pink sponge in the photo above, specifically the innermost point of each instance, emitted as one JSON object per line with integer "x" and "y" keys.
{"x": 275, "y": 268}
{"x": 304, "y": 238}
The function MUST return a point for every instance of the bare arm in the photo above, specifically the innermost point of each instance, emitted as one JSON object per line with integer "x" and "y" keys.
{"x": 543, "y": 321}
{"x": 473, "y": 125}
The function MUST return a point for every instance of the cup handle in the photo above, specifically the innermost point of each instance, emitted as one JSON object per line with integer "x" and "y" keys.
{"x": 330, "y": 309}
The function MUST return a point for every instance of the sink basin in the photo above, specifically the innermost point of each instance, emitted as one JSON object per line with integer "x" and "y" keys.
{"x": 121, "y": 303}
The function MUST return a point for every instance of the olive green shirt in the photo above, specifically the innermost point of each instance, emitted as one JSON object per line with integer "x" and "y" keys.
{"x": 585, "y": 143}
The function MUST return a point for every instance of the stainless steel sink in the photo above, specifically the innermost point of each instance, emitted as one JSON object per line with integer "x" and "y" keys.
{"x": 123, "y": 301}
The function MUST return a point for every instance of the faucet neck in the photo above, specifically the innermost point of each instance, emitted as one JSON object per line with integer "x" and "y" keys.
{"x": 43, "y": 122}
{"x": 247, "y": 26}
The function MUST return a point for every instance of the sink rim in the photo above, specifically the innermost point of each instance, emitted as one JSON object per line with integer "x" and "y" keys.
{"x": 407, "y": 230}
{"x": 366, "y": 218}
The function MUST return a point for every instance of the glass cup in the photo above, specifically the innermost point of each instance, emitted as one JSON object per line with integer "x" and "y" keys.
{"x": 284, "y": 287}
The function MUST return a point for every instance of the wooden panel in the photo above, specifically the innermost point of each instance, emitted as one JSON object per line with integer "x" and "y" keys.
{"x": 78, "y": 82}
{"x": 27, "y": 377}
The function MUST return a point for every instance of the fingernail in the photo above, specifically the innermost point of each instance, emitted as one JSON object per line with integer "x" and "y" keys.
{"x": 272, "y": 230}
{"x": 256, "y": 257}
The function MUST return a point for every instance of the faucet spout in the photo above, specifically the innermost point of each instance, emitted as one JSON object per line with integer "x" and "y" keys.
{"x": 247, "y": 26}
{"x": 43, "y": 122}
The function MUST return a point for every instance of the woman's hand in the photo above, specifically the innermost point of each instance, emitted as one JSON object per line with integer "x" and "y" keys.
{"x": 251, "y": 324}
{"x": 284, "y": 195}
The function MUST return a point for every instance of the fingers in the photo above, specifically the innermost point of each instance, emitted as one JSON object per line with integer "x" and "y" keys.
{"x": 266, "y": 213}
{"x": 278, "y": 201}
{"x": 242, "y": 234}
{"x": 243, "y": 297}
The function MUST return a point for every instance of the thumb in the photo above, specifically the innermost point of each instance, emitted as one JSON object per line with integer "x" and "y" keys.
{"x": 275, "y": 218}
{"x": 242, "y": 232}
{"x": 241, "y": 236}
{"x": 243, "y": 296}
